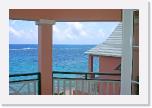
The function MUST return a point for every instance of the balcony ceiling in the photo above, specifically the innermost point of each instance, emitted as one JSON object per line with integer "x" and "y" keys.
{"x": 66, "y": 14}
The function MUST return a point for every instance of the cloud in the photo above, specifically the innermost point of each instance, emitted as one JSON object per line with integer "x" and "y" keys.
{"x": 63, "y": 32}
{"x": 21, "y": 29}
{"x": 15, "y": 32}
{"x": 76, "y": 32}
{"x": 83, "y": 33}
{"x": 13, "y": 22}
{"x": 23, "y": 32}
{"x": 101, "y": 33}
{"x": 68, "y": 33}
{"x": 56, "y": 29}
{"x": 76, "y": 25}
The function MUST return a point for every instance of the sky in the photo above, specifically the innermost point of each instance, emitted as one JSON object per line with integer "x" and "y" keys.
{"x": 26, "y": 32}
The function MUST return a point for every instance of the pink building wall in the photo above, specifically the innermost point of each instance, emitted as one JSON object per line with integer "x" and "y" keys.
{"x": 109, "y": 65}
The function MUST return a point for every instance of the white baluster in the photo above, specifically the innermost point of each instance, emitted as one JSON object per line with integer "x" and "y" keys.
{"x": 70, "y": 87}
{"x": 64, "y": 86}
{"x": 76, "y": 84}
{"x": 34, "y": 85}
{"x": 58, "y": 87}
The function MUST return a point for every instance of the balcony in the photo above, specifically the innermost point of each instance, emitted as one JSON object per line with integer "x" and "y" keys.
{"x": 67, "y": 83}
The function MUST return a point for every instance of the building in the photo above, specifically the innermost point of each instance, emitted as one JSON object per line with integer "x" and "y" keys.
{"x": 109, "y": 52}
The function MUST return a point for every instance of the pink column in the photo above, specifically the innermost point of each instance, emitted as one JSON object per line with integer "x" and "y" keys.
{"x": 45, "y": 55}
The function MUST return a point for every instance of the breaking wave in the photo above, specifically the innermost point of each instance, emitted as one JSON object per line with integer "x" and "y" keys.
{"x": 24, "y": 49}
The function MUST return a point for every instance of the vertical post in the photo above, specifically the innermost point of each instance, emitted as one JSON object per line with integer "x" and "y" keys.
{"x": 135, "y": 74}
{"x": 90, "y": 66}
{"x": 39, "y": 84}
{"x": 100, "y": 62}
{"x": 45, "y": 55}
{"x": 126, "y": 61}
{"x": 100, "y": 70}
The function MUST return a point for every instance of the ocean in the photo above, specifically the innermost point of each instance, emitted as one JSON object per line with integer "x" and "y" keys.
{"x": 23, "y": 58}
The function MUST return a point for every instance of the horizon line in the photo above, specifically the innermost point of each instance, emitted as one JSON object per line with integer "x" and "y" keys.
{"x": 53, "y": 44}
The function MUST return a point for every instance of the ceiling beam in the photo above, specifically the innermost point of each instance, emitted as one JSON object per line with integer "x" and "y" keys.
{"x": 66, "y": 14}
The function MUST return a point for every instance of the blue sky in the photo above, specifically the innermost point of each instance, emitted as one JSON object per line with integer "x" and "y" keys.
{"x": 26, "y": 32}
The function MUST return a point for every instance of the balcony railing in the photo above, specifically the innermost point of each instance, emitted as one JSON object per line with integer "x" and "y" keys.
{"x": 24, "y": 84}
{"x": 68, "y": 83}
{"x": 80, "y": 83}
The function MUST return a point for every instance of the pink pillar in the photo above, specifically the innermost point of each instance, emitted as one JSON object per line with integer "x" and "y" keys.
{"x": 90, "y": 63}
{"x": 45, "y": 55}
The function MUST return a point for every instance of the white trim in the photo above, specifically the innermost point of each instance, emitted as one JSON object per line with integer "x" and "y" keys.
{"x": 45, "y": 21}
{"x": 126, "y": 61}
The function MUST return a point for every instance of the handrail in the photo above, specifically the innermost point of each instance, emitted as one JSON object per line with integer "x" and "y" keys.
{"x": 85, "y": 79}
{"x": 59, "y": 72}
{"x": 24, "y": 74}
{"x": 95, "y": 73}
{"x": 23, "y": 80}
{"x": 87, "y": 76}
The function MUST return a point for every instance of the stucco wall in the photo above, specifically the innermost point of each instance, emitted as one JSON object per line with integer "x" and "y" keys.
{"x": 109, "y": 64}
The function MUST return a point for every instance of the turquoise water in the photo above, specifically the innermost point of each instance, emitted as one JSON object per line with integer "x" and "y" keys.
{"x": 23, "y": 58}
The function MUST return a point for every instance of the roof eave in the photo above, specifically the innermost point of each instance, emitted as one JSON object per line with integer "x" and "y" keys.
{"x": 107, "y": 55}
